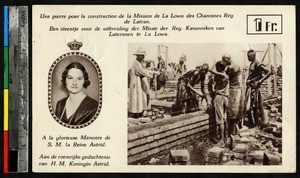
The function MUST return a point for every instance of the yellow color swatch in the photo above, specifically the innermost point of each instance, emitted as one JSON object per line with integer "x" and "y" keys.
{"x": 6, "y": 96}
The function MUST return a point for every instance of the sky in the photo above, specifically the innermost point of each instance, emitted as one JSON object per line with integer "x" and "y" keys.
{"x": 200, "y": 53}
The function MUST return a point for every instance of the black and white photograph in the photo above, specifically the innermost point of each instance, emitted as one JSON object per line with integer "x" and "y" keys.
{"x": 75, "y": 88}
{"x": 204, "y": 104}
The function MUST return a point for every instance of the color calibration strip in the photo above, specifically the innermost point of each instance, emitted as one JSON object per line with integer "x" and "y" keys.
{"x": 16, "y": 89}
{"x": 6, "y": 91}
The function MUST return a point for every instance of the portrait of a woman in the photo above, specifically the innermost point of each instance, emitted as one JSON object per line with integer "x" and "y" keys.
{"x": 77, "y": 108}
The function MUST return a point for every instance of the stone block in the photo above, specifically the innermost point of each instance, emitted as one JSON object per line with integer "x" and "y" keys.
{"x": 143, "y": 141}
{"x": 173, "y": 144}
{"x": 156, "y": 137}
{"x": 145, "y": 119}
{"x": 244, "y": 140}
{"x": 134, "y": 158}
{"x": 233, "y": 163}
{"x": 188, "y": 132}
{"x": 278, "y": 125}
{"x": 153, "y": 144}
{"x": 154, "y": 131}
{"x": 252, "y": 132}
{"x": 215, "y": 152}
{"x": 224, "y": 159}
{"x": 168, "y": 146}
{"x": 212, "y": 160}
{"x": 133, "y": 121}
{"x": 130, "y": 159}
{"x": 162, "y": 147}
{"x": 270, "y": 129}
{"x": 171, "y": 126}
{"x": 241, "y": 148}
{"x": 205, "y": 127}
{"x": 140, "y": 134}
{"x": 180, "y": 135}
{"x": 272, "y": 159}
{"x": 179, "y": 141}
{"x": 171, "y": 132}
{"x": 205, "y": 134}
{"x": 150, "y": 139}
{"x": 280, "y": 155}
{"x": 245, "y": 134}
{"x": 144, "y": 154}
{"x": 134, "y": 151}
{"x": 131, "y": 125}
{"x": 241, "y": 161}
{"x": 234, "y": 140}
{"x": 162, "y": 141}
{"x": 179, "y": 156}
{"x": 239, "y": 155}
{"x": 130, "y": 144}
{"x": 244, "y": 129}
{"x": 137, "y": 142}
{"x": 258, "y": 155}
{"x": 249, "y": 159}
{"x": 164, "y": 128}
{"x": 150, "y": 152}
{"x": 194, "y": 131}
{"x": 253, "y": 140}
{"x": 163, "y": 134}
{"x": 258, "y": 162}
{"x": 156, "y": 150}
{"x": 186, "y": 139}
{"x": 132, "y": 136}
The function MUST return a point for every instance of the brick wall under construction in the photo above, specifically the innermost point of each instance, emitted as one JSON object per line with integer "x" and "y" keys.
{"x": 151, "y": 139}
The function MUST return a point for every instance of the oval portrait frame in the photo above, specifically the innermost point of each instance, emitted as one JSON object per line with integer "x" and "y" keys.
{"x": 50, "y": 80}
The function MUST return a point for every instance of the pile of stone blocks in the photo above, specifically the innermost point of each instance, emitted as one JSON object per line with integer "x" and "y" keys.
{"x": 258, "y": 157}
{"x": 214, "y": 156}
{"x": 179, "y": 157}
{"x": 234, "y": 140}
{"x": 246, "y": 132}
{"x": 272, "y": 159}
{"x": 240, "y": 152}
{"x": 266, "y": 158}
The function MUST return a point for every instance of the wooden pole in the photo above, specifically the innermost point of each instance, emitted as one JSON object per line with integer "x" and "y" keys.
{"x": 166, "y": 56}
{"x": 275, "y": 72}
{"x": 155, "y": 86}
{"x": 271, "y": 57}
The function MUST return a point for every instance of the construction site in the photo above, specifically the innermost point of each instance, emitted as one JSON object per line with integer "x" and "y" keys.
{"x": 161, "y": 137}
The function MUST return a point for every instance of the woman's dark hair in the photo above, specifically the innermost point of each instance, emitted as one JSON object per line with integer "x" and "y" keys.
{"x": 79, "y": 66}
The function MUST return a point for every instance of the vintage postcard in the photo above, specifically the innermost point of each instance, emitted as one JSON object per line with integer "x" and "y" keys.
{"x": 163, "y": 88}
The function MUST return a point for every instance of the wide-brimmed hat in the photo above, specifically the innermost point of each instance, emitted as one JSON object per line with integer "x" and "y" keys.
{"x": 140, "y": 51}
